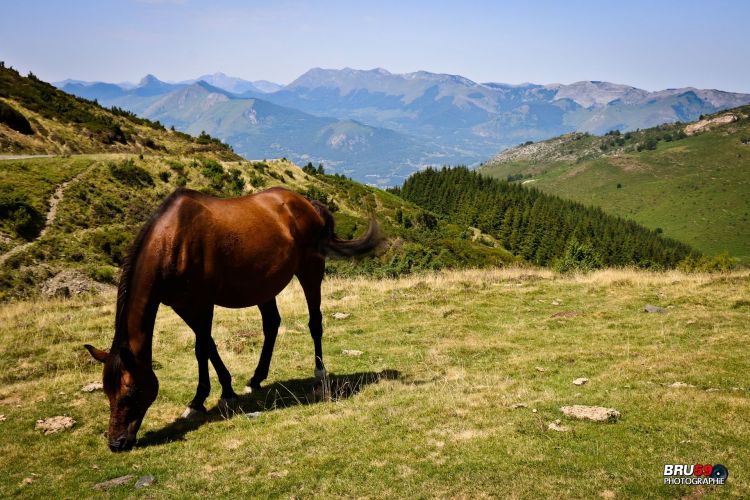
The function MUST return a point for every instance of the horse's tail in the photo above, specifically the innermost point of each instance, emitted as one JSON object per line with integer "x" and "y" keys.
{"x": 333, "y": 245}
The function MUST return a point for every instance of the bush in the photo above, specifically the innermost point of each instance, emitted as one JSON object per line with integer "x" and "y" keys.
{"x": 103, "y": 274}
{"x": 704, "y": 264}
{"x": 257, "y": 181}
{"x": 236, "y": 184}
{"x": 578, "y": 257}
{"x": 313, "y": 193}
{"x": 127, "y": 172}
{"x": 15, "y": 120}
{"x": 15, "y": 208}
{"x": 221, "y": 181}
{"x": 114, "y": 243}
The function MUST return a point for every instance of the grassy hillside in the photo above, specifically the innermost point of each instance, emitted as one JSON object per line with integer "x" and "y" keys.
{"x": 105, "y": 198}
{"x": 429, "y": 409}
{"x": 690, "y": 181}
{"x": 53, "y": 122}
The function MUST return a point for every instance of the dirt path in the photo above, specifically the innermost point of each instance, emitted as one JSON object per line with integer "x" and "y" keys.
{"x": 54, "y": 201}
{"x": 24, "y": 157}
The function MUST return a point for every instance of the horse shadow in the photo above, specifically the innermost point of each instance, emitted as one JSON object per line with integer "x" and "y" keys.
{"x": 276, "y": 396}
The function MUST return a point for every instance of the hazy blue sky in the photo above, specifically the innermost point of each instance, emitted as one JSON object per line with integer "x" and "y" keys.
{"x": 650, "y": 44}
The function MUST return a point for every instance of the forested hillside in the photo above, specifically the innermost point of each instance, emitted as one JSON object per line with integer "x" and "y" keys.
{"x": 543, "y": 229}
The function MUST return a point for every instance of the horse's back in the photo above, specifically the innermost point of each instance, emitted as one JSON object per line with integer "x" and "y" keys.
{"x": 234, "y": 252}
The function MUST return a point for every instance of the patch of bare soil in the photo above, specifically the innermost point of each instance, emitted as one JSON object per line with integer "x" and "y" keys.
{"x": 69, "y": 283}
{"x": 701, "y": 125}
{"x": 593, "y": 413}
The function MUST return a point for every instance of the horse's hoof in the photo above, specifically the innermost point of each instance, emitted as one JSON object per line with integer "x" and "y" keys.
{"x": 192, "y": 414}
{"x": 228, "y": 406}
{"x": 247, "y": 390}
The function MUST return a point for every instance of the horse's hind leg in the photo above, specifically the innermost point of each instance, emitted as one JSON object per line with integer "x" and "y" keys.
{"x": 199, "y": 320}
{"x": 271, "y": 321}
{"x": 311, "y": 278}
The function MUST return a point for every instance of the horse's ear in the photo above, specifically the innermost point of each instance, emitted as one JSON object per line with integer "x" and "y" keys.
{"x": 128, "y": 359}
{"x": 97, "y": 354}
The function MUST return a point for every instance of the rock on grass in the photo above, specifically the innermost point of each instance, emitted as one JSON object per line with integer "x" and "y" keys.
{"x": 111, "y": 483}
{"x": 144, "y": 481}
{"x": 565, "y": 314}
{"x": 680, "y": 385}
{"x": 92, "y": 386}
{"x": 581, "y": 381}
{"x": 351, "y": 352}
{"x": 650, "y": 308}
{"x": 52, "y": 425}
{"x": 340, "y": 315}
{"x": 593, "y": 413}
{"x": 557, "y": 426}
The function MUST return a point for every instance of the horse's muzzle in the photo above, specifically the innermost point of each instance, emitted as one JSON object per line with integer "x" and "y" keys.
{"x": 120, "y": 444}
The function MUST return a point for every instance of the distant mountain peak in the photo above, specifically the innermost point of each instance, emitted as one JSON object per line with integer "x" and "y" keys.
{"x": 149, "y": 79}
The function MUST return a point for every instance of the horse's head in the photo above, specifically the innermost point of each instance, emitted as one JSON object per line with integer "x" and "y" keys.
{"x": 131, "y": 388}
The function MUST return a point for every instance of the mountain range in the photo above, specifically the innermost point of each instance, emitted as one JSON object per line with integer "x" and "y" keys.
{"x": 378, "y": 127}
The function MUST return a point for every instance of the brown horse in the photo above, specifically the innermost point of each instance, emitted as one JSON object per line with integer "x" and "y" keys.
{"x": 197, "y": 251}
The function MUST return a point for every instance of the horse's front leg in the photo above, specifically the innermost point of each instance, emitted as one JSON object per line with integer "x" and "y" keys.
{"x": 199, "y": 319}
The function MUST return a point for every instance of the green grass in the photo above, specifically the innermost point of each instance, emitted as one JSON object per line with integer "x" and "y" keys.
{"x": 465, "y": 347}
{"x": 694, "y": 189}
{"x": 109, "y": 196}
{"x": 38, "y": 178}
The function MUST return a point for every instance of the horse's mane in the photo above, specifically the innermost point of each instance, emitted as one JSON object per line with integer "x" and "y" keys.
{"x": 112, "y": 372}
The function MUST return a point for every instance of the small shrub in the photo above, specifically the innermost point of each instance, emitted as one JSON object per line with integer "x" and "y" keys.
{"x": 257, "y": 181}
{"x": 16, "y": 208}
{"x": 705, "y": 264}
{"x": 313, "y": 193}
{"x": 103, "y": 274}
{"x": 309, "y": 169}
{"x": 127, "y": 172}
{"x": 15, "y": 120}
{"x": 114, "y": 243}
{"x": 221, "y": 181}
{"x": 236, "y": 184}
{"x": 578, "y": 257}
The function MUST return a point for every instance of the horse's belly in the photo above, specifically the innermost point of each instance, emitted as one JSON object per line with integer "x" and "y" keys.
{"x": 239, "y": 268}
{"x": 251, "y": 290}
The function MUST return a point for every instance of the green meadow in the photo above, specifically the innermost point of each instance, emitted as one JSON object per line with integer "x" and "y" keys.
{"x": 695, "y": 189}
{"x": 459, "y": 376}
